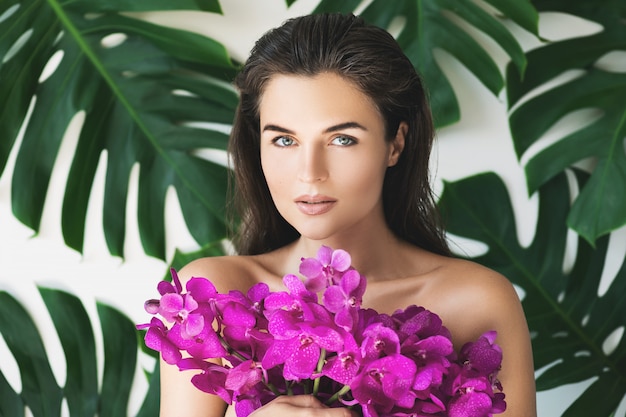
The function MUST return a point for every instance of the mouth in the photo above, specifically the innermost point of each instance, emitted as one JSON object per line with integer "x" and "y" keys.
{"x": 315, "y": 202}
{"x": 315, "y": 205}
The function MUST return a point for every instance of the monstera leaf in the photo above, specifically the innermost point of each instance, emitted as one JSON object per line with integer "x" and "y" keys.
{"x": 434, "y": 24}
{"x": 599, "y": 208}
{"x": 41, "y": 392}
{"x": 146, "y": 96}
{"x": 571, "y": 324}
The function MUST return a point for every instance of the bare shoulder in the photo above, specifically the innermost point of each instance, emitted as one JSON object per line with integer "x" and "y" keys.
{"x": 472, "y": 299}
{"x": 227, "y": 272}
{"x": 471, "y": 282}
{"x": 479, "y": 300}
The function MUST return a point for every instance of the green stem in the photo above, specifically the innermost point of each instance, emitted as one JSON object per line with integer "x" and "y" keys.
{"x": 338, "y": 394}
{"x": 320, "y": 364}
{"x": 229, "y": 349}
{"x": 273, "y": 388}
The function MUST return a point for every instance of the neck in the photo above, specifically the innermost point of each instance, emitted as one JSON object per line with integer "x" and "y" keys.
{"x": 372, "y": 253}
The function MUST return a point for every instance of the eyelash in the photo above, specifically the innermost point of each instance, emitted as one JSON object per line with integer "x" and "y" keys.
{"x": 278, "y": 141}
{"x": 352, "y": 140}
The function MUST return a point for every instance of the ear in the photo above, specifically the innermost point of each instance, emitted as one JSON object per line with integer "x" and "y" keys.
{"x": 397, "y": 144}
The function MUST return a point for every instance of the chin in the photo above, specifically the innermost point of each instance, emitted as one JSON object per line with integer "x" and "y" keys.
{"x": 316, "y": 233}
{"x": 318, "y": 228}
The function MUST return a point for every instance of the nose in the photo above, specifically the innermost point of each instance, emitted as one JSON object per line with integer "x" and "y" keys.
{"x": 313, "y": 164}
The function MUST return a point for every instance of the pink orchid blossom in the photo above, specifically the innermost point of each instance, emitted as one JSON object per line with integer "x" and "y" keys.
{"x": 289, "y": 343}
{"x": 325, "y": 269}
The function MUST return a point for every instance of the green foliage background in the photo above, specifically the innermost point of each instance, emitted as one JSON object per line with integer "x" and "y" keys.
{"x": 127, "y": 93}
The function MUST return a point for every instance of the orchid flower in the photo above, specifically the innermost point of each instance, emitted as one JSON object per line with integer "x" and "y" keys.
{"x": 325, "y": 269}
{"x": 345, "y": 299}
{"x": 290, "y": 343}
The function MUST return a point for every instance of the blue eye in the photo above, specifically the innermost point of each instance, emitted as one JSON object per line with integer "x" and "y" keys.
{"x": 343, "y": 141}
{"x": 283, "y": 141}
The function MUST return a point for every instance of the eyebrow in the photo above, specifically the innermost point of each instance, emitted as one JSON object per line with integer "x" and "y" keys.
{"x": 334, "y": 128}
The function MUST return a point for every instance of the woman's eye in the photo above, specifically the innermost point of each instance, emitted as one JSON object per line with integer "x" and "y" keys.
{"x": 343, "y": 141}
{"x": 283, "y": 141}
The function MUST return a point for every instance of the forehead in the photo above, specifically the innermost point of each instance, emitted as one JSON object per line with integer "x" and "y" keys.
{"x": 326, "y": 97}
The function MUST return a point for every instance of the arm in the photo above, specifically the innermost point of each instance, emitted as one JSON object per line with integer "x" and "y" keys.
{"x": 517, "y": 374}
{"x": 178, "y": 395}
{"x": 484, "y": 300}
{"x": 180, "y": 398}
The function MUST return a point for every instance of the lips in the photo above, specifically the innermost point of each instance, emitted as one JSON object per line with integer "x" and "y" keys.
{"x": 315, "y": 205}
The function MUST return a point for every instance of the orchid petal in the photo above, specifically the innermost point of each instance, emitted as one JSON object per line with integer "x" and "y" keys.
{"x": 325, "y": 337}
{"x": 334, "y": 299}
{"x": 176, "y": 280}
{"x": 278, "y": 300}
{"x": 194, "y": 325}
{"x": 212, "y": 381}
{"x": 483, "y": 355}
{"x": 238, "y": 315}
{"x": 243, "y": 377}
{"x": 170, "y": 353}
{"x": 350, "y": 281}
{"x": 258, "y": 292}
{"x": 345, "y": 319}
{"x": 282, "y": 325}
{"x": 474, "y": 404}
{"x": 294, "y": 285}
{"x": 324, "y": 255}
{"x": 164, "y": 287}
{"x": 344, "y": 366}
{"x": 310, "y": 267}
{"x": 202, "y": 289}
{"x": 152, "y": 306}
{"x": 340, "y": 260}
{"x": 316, "y": 284}
{"x": 190, "y": 304}
{"x": 172, "y": 302}
{"x": 245, "y": 406}
{"x": 278, "y": 353}
{"x": 207, "y": 345}
{"x": 302, "y": 363}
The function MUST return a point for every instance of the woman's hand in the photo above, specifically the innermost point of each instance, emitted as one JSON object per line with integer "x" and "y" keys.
{"x": 300, "y": 405}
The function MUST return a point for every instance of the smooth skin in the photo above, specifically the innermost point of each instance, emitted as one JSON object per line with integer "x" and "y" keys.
{"x": 324, "y": 158}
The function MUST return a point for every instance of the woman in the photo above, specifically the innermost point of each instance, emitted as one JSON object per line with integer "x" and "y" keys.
{"x": 330, "y": 147}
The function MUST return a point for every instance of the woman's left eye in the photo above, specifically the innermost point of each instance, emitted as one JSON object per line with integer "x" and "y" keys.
{"x": 343, "y": 141}
{"x": 283, "y": 141}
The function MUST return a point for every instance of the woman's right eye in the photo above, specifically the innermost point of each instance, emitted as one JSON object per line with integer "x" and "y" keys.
{"x": 283, "y": 141}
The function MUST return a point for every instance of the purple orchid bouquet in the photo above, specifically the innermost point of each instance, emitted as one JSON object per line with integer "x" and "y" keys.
{"x": 251, "y": 348}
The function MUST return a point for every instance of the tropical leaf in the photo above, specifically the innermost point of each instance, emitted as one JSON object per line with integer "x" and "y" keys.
{"x": 11, "y": 403}
{"x": 151, "y": 402}
{"x": 147, "y": 6}
{"x": 434, "y": 24}
{"x": 149, "y": 96}
{"x": 76, "y": 335}
{"x": 569, "y": 321}
{"x": 40, "y": 390}
{"x": 599, "y": 208}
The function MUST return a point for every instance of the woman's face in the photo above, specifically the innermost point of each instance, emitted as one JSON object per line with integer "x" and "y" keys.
{"x": 324, "y": 153}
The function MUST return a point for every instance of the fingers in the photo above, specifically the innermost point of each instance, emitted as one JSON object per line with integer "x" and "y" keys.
{"x": 302, "y": 401}
{"x": 300, "y": 406}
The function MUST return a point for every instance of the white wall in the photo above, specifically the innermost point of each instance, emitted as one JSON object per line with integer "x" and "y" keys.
{"x": 27, "y": 261}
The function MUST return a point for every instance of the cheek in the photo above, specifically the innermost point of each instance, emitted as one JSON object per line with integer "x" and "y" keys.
{"x": 364, "y": 174}
{"x": 274, "y": 177}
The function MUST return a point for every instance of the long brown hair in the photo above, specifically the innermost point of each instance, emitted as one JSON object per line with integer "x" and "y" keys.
{"x": 370, "y": 58}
